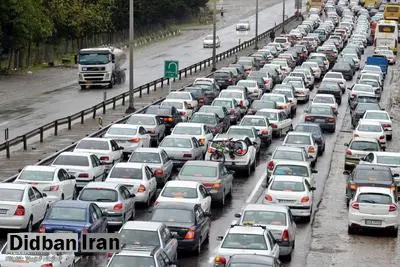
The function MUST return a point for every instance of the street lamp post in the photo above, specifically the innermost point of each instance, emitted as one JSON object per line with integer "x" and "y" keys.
{"x": 214, "y": 52}
{"x": 131, "y": 107}
{"x": 283, "y": 16}
{"x": 256, "y": 42}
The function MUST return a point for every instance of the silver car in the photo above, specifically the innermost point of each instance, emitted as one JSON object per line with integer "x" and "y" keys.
{"x": 181, "y": 148}
{"x": 113, "y": 198}
{"x": 213, "y": 175}
{"x": 157, "y": 160}
{"x": 153, "y": 125}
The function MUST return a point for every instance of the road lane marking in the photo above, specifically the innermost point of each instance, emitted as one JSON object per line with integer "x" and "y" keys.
{"x": 77, "y": 259}
{"x": 256, "y": 188}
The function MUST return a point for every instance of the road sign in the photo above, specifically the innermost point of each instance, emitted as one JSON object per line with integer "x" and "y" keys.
{"x": 171, "y": 68}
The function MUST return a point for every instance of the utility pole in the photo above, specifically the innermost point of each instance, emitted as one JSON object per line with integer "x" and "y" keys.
{"x": 214, "y": 52}
{"x": 256, "y": 42}
{"x": 283, "y": 16}
{"x": 131, "y": 107}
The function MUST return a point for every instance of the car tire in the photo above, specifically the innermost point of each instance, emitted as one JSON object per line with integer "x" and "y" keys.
{"x": 29, "y": 226}
{"x": 350, "y": 230}
{"x": 393, "y": 232}
{"x": 248, "y": 171}
{"x": 222, "y": 201}
{"x": 254, "y": 165}
{"x": 389, "y": 137}
{"x": 62, "y": 196}
{"x": 288, "y": 257}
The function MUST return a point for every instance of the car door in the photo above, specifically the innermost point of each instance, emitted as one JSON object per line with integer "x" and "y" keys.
{"x": 292, "y": 227}
{"x": 226, "y": 177}
{"x": 34, "y": 205}
{"x": 98, "y": 221}
{"x": 67, "y": 185}
{"x": 116, "y": 152}
{"x": 144, "y": 137}
{"x": 198, "y": 150}
{"x": 151, "y": 180}
{"x": 285, "y": 121}
{"x": 205, "y": 198}
{"x": 167, "y": 164}
{"x": 40, "y": 204}
{"x": 128, "y": 201}
{"x": 170, "y": 244}
{"x": 274, "y": 245}
{"x": 98, "y": 168}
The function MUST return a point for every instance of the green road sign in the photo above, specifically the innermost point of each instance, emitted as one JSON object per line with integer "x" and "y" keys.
{"x": 171, "y": 68}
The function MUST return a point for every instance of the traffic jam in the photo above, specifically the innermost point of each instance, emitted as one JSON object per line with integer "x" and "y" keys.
{"x": 178, "y": 161}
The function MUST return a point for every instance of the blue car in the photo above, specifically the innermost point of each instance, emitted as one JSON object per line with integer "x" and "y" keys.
{"x": 71, "y": 216}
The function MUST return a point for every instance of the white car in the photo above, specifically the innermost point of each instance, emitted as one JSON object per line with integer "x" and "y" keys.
{"x": 280, "y": 123}
{"x": 302, "y": 93}
{"x": 321, "y": 57}
{"x": 283, "y": 153}
{"x": 314, "y": 67}
{"x": 243, "y": 26}
{"x": 291, "y": 191}
{"x": 186, "y": 96}
{"x": 290, "y": 94}
{"x": 182, "y": 148}
{"x": 358, "y": 148}
{"x": 382, "y": 117}
{"x": 306, "y": 140}
{"x": 370, "y": 129}
{"x": 208, "y": 41}
{"x": 54, "y": 181}
{"x": 262, "y": 125}
{"x": 181, "y": 105}
{"x": 107, "y": 150}
{"x": 128, "y": 136}
{"x": 85, "y": 167}
{"x": 326, "y": 99}
{"x": 198, "y": 130}
{"x": 252, "y": 87}
{"x": 361, "y": 89}
{"x": 21, "y": 206}
{"x": 239, "y": 96}
{"x": 281, "y": 100}
{"x": 152, "y": 123}
{"x": 374, "y": 208}
{"x": 137, "y": 177}
{"x": 296, "y": 168}
{"x": 283, "y": 40}
{"x": 185, "y": 192}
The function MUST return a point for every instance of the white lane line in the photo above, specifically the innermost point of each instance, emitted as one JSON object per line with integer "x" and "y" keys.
{"x": 256, "y": 188}
{"x": 77, "y": 259}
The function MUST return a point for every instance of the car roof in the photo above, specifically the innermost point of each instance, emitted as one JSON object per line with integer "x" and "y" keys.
{"x": 376, "y": 111}
{"x": 204, "y": 113}
{"x": 224, "y": 98}
{"x": 175, "y": 100}
{"x": 143, "y": 225}
{"x": 72, "y": 203}
{"x": 190, "y": 124}
{"x": 241, "y": 127}
{"x": 289, "y": 178}
{"x": 290, "y": 148}
{"x": 386, "y": 153}
{"x": 299, "y": 133}
{"x": 207, "y": 163}
{"x": 14, "y": 186}
{"x": 370, "y": 189}
{"x": 254, "y": 116}
{"x": 133, "y": 165}
{"x": 264, "y": 207}
{"x": 179, "y": 183}
{"x": 325, "y": 95}
{"x": 371, "y": 167}
{"x": 102, "y": 185}
{"x": 68, "y": 153}
{"x": 246, "y": 229}
{"x": 364, "y": 139}
{"x": 41, "y": 168}
{"x": 369, "y": 122}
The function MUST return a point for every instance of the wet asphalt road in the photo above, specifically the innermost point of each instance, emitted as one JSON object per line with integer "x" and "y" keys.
{"x": 26, "y": 105}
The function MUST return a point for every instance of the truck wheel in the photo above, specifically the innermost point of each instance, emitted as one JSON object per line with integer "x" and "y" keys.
{"x": 83, "y": 87}
{"x": 112, "y": 82}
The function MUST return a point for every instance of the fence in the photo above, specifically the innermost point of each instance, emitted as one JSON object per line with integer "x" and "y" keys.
{"x": 161, "y": 82}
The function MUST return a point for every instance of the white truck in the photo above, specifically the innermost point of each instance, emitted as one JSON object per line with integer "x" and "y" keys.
{"x": 100, "y": 66}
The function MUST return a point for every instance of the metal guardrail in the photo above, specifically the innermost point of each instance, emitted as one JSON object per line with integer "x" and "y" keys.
{"x": 121, "y": 97}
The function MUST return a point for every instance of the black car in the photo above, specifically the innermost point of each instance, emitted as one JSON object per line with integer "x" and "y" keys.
{"x": 212, "y": 90}
{"x": 359, "y": 111}
{"x": 260, "y": 104}
{"x": 345, "y": 68}
{"x": 369, "y": 175}
{"x": 187, "y": 222}
{"x": 316, "y": 132}
{"x": 200, "y": 94}
{"x": 170, "y": 116}
{"x": 224, "y": 78}
{"x": 250, "y": 260}
{"x": 222, "y": 113}
{"x": 331, "y": 87}
{"x": 240, "y": 69}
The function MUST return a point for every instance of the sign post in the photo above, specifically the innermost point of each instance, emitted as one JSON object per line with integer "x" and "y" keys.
{"x": 171, "y": 69}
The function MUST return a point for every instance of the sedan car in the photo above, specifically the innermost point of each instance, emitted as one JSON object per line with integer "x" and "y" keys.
{"x": 374, "y": 208}
{"x": 181, "y": 148}
{"x": 197, "y": 130}
{"x": 254, "y": 92}
{"x": 113, "y": 199}
{"x": 128, "y": 136}
{"x": 137, "y": 178}
{"x": 187, "y": 222}
{"x": 290, "y": 94}
{"x": 295, "y": 193}
{"x": 213, "y": 175}
{"x": 261, "y": 124}
{"x": 284, "y": 153}
{"x": 234, "y": 111}
{"x": 305, "y": 140}
{"x": 186, "y": 96}
{"x": 326, "y": 99}
{"x": 375, "y": 85}
{"x": 222, "y": 113}
{"x": 183, "y": 108}
{"x": 316, "y": 131}
{"x": 208, "y": 41}
{"x": 157, "y": 160}
{"x": 332, "y": 88}
{"x": 71, "y": 216}
{"x": 211, "y": 120}
{"x": 169, "y": 115}
{"x": 322, "y": 115}
{"x": 382, "y": 117}
{"x": 371, "y": 129}
{"x": 281, "y": 100}
{"x": 357, "y": 149}
{"x": 153, "y": 125}
{"x": 54, "y": 181}
{"x": 239, "y": 96}
{"x": 256, "y": 105}
{"x": 22, "y": 206}
{"x": 281, "y": 124}
{"x": 185, "y": 192}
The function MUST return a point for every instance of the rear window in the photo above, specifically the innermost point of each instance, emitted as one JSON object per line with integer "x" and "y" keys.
{"x": 67, "y": 214}
{"x": 227, "y": 94}
{"x": 126, "y": 173}
{"x": 287, "y": 186}
{"x": 247, "y": 121}
{"x": 295, "y": 170}
{"x": 369, "y": 128}
{"x": 298, "y": 139}
{"x": 321, "y": 110}
{"x": 98, "y": 195}
{"x": 179, "y": 192}
{"x": 121, "y": 260}
{"x": 288, "y": 155}
{"x": 172, "y": 216}
{"x": 264, "y": 217}
{"x": 274, "y": 98}
{"x": 176, "y": 142}
{"x": 198, "y": 171}
{"x": 240, "y": 132}
{"x": 36, "y": 175}
{"x": 177, "y": 105}
{"x": 389, "y": 160}
{"x": 72, "y": 160}
{"x": 204, "y": 118}
{"x": 263, "y": 104}
{"x": 187, "y": 130}
{"x": 376, "y": 116}
{"x": 325, "y": 100}
{"x": 141, "y": 120}
{"x": 373, "y": 175}
{"x": 374, "y": 198}
{"x": 145, "y": 157}
{"x": 93, "y": 145}
{"x": 221, "y": 75}
{"x": 12, "y": 195}
{"x": 122, "y": 131}
{"x": 364, "y": 145}
{"x": 178, "y": 95}
{"x": 223, "y": 103}
{"x": 271, "y": 116}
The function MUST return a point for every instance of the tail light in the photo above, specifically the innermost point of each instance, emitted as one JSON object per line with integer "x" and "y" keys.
{"x": 47, "y": 265}
{"x": 135, "y": 140}
{"x": 282, "y": 106}
{"x": 182, "y": 113}
{"x": 241, "y": 151}
{"x": 348, "y": 152}
{"x": 168, "y": 119}
{"x": 20, "y": 211}
{"x": 304, "y": 199}
{"x": 381, "y": 137}
{"x": 109, "y": 254}
{"x": 187, "y": 155}
{"x": 251, "y": 111}
{"x": 268, "y": 198}
{"x": 270, "y": 165}
{"x": 308, "y": 118}
{"x": 141, "y": 188}
{"x": 159, "y": 172}
{"x": 54, "y": 188}
{"x": 83, "y": 175}
{"x": 151, "y": 131}
{"x": 274, "y": 126}
{"x": 191, "y": 233}
{"x": 263, "y": 132}
{"x": 220, "y": 260}
{"x": 201, "y": 100}
{"x": 85, "y": 230}
{"x": 355, "y": 205}
{"x": 393, "y": 188}
{"x": 285, "y": 235}
{"x": 311, "y": 149}
{"x": 118, "y": 207}
{"x": 267, "y": 82}
{"x": 215, "y": 130}
{"x": 105, "y": 158}
{"x": 392, "y": 207}
{"x": 216, "y": 185}
{"x": 230, "y": 81}
{"x": 42, "y": 229}
{"x": 386, "y": 126}
{"x": 331, "y": 119}
{"x": 156, "y": 203}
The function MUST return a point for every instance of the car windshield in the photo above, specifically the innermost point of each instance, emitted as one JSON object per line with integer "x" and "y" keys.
{"x": 141, "y": 120}
{"x": 373, "y": 174}
{"x": 296, "y": 170}
{"x": 204, "y": 118}
{"x": 245, "y": 62}
{"x": 211, "y": 109}
{"x": 288, "y": 155}
{"x": 249, "y": 121}
{"x": 289, "y": 186}
{"x": 72, "y": 160}
{"x": 298, "y": 139}
{"x": 376, "y": 116}
{"x": 230, "y": 94}
{"x": 36, "y": 175}
{"x": 324, "y": 100}
{"x": 364, "y": 145}
{"x": 198, "y": 171}
{"x": 388, "y": 160}
{"x": 176, "y": 142}
{"x": 329, "y": 85}
{"x": 275, "y": 98}
{"x": 244, "y": 241}
{"x": 177, "y": 105}
{"x": 178, "y": 95}
{"x": 132, "y": 261}
{"x": 126, "y": 173}
{"x": 362, "y": 107}
{"x": 223, "y": 103}
{"x": 257, "y": 104}
{"x": 67, "y": 214}
{"x": 333, "y": 75}
{"x": 341, "y": 65}
{"x": 370, "y": 82}
{"x": 247, "y": 83}
{"x": 179, "y": 192}
{"x": 187, "y": 130}
{"x": 264, "y": 217}
{"x": 374, "y": 198}
{"x": 98, "y": 195}
{"x": 93, "y": 145}
{"x": 139, "y": 238}
{"x": 197, "y": 92}
{"x": 363, "y": 88}
{"x": 121, "y": 131}
{"x": 145, "y": 157}
{"x": 369, "y": 128}
{"x": 296, "y": 83}
{"x": 321, "y": 110}
{"x": 11, "y": 195}
{"x": 240, "y": 132}
{"x": 172, "y": 215}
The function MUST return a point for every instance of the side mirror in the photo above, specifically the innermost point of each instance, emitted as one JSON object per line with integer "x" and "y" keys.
{"x": 238, "y": 215}
{"x": 346, "y": 172}
{"x": 313, "y": 188}
{"x": 346, "y": 144}
{"x": 396, "y": 175}
{"x": 314, "y": 171}
{"x": 76, "y": 59}
{"x": 255, "y": 144}
{"x": 121, "y": 148}
{"x": 220, "y": 238}
{"x": 391, "y": 117}
{"x": 132, "y": 195}
{"x": 44, "y": 194}
{"x": 113, "y": 58}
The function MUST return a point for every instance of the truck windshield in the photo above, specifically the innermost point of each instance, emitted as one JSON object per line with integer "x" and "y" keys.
{"x": 93, "y": 58}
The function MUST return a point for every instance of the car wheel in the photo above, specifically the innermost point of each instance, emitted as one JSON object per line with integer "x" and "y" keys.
{"x": 29, "y": 226}
{"x": 350, "y": 230}
{"x": 389, "y": 137}
{"x": 253, "y": 166}
{"x": 62, "y": 196}
{"x": 288, "y": 257}
{"x": 230, "y": 192}
{"x": 393, "y": 232}
{"x": 148, "y": 202}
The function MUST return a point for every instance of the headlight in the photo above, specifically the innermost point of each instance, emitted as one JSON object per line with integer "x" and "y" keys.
{"x": 84, "y": 69}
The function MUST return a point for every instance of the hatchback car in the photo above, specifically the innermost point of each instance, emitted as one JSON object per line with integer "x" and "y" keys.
{"x": 371, "y": 129}
{"x": 358, "y": 148}
{"x": 382, "y": 117}
{"x": 208, "y": 41}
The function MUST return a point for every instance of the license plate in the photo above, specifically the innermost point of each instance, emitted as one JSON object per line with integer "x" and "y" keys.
{"x": 286, "y": 201}
{"x": 373, "y": 222}
{"x": 319, "y": 120}
{"x": 3, "y": 211}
